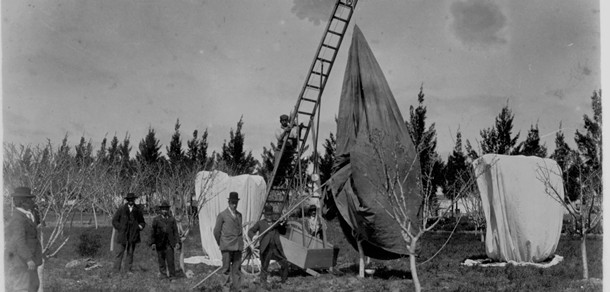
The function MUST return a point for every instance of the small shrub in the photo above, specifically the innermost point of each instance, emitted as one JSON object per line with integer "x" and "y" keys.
{"x": 89, "y": 244}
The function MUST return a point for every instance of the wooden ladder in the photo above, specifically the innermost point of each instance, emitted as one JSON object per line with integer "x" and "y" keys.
{"x": 308, "y": 103}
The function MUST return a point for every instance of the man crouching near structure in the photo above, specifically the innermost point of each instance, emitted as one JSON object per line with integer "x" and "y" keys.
{"x": 270, "y": 244}
{"x": 229, "y": 237}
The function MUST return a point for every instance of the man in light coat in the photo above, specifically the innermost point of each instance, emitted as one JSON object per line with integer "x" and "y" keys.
{"x": 23, "y": 252}
{"x": 229, "y": 237}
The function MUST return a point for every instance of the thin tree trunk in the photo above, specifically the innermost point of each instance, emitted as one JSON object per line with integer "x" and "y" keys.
{"x": 583, "y": 251}
{"x": 112, "y": 239}
{"x": 412, "y": 262}
{"x": 40, "y": 271}
{"x": 361, "y": 262}
{"x": 94, "y": 215}
{"x": 181, "y": 258}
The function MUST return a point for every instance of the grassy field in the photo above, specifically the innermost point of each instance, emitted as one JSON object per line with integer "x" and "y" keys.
{"x": 442, "y": 273}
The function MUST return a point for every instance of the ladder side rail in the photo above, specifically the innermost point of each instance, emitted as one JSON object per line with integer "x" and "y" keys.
{"x": 351, "y": 5}
{"x": 312, "y": 66}
{"x": 323, "y": 84}
{"x": 295, "y": 111}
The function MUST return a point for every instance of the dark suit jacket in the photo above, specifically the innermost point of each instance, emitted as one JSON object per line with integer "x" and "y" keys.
{"x": 126, "y": 224}
{"x": 22, "y": 242}
{"x": 272, "y": 235}
{"x": 228, "y": 232}
{"x": 164, "y": 231}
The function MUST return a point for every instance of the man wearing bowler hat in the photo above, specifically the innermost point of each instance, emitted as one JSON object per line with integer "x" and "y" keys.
{"x": 228, "y": 235}
{"x": 128, "y": 222}
{"x": 23, "y": 252}
{"x": 164, "y": 238}
{"x": 270, "y": 246}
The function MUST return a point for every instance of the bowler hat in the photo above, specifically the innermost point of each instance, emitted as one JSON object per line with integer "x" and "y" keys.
{"x": 284, "y": 117}
{"x": 130, "y": 196}
{"x": 164, "y": 204}
{"x": 267, "y": 209}
{"x": 22, "y": 192}
{"x": 233, "y": 196}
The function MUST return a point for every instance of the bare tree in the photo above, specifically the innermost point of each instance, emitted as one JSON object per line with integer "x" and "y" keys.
{"x": 586, "y": 210}
{"x": 393, "y": 188}
{"x": 56, "y": 178}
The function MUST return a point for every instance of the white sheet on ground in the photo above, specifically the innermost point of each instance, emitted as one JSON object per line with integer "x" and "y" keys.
{"x": 523, "y": 213}
{"x": 483, "y": 263}
{"x": 212, "y": 190}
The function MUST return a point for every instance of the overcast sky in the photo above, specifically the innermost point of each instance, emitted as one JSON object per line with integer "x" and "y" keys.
{"x": 103, "y": 68}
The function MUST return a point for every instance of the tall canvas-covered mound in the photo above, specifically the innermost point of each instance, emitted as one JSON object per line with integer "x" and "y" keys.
{"x": 212, "y": 189}
{"x": 369, "y": 119}
{"x": 522, "y": 211}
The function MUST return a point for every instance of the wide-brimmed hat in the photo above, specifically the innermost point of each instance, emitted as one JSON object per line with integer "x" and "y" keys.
{"x": 268, "y": 209}
{"x": 131, "y": 196}
{"x": 22, "y": 192}
{"x": 164, "y": 205}
{"x": 233, "y": 197}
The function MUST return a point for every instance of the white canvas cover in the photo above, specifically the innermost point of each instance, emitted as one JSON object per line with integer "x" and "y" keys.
{"x": 212, "y": 190}
{"x": 523, "y": 215}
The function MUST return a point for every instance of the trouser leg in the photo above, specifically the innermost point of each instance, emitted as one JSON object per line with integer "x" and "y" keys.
{"x": 130, "y": 250}
{"x": 265, "y": 258}
{"x": 226, "y": 266}
{"x": 34, "y": 282}
{"x": 169, "y": 256}
{"x": 161, "y": 260}
{"x": 277, "y": 255}
{"x": 235, "y": 270}
{"x": 119, "y": 257}
{"x": 284, "y": 264}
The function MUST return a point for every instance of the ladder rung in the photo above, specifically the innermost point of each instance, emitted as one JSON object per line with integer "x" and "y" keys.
{"x": 340, "y": 19}
{"x": 324, "y": 60}
{"x": 330, "y": 47}
{"x": 305, "y": 113}
{"x": 313, "y": 86}
{"x": 318, "y": 73}
{"x": 309, "y": 99}
{"x": 335, "y": 33}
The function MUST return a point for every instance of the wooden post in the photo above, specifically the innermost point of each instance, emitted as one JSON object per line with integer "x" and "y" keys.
{"x": 361, "y": 262}
{"x": 112, "y": 239}
{"x": 94, "y": 215}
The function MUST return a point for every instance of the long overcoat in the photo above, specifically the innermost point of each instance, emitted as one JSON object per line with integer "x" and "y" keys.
{"x": 164, "y": 231}
{"x": 22, "y": 241}
{"x": 228, "y": 232}
{"x": 126, "y": 223}
{"x": 272, "y": 235}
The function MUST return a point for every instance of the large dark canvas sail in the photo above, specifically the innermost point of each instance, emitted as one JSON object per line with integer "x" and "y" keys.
{"x": 369, "y": 119}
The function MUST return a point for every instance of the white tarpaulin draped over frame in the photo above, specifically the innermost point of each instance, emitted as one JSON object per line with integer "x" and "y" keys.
{"x": 212, "y": 189}
{"x": 522, "y": 211}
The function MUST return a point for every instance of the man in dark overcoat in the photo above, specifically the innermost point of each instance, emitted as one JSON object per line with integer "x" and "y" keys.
{"x": 128, "y": 222}
{"x": 270, "y": 244}
{"x": 23, "y": 252}
{"x": 229, "y": 237}
{"x": 164, "y": 238}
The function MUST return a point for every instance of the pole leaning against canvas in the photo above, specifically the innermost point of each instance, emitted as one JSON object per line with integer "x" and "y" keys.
{"x": 520, "y": 197}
